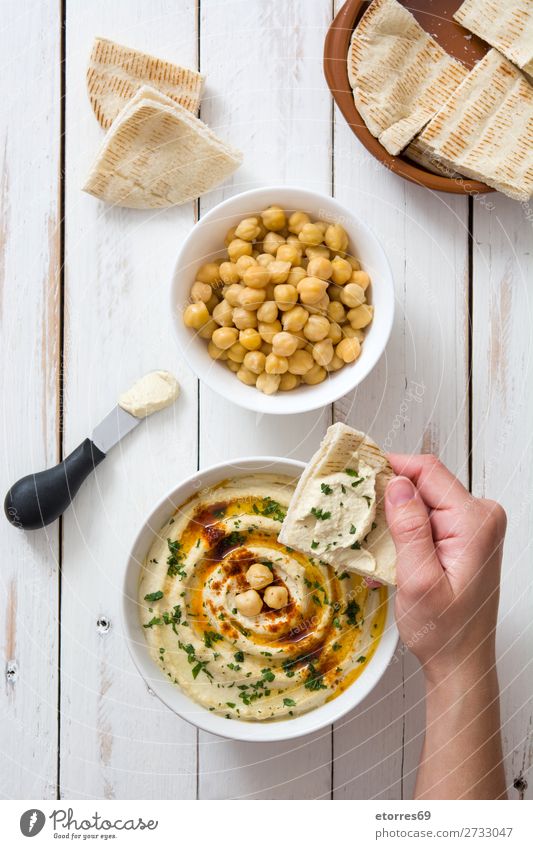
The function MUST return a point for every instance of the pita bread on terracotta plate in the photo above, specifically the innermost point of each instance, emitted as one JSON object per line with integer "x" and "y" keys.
{"x": 157, "y": 154}
{"x": 400, "y": 76}
{"x": 116, "y": 73}
{"x": 505, "y": 24}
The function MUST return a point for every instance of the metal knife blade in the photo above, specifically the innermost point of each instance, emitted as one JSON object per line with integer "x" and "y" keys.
{"x": 116, "y": 424}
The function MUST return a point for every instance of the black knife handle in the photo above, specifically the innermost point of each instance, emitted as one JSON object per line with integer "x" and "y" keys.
{"x": 36, "y": 500}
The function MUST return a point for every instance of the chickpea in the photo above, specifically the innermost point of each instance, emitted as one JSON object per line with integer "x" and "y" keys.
{"x": 311, "y": 289}
{"x": 323, "y": 225}
{"x": 294, "y": 319}
{"x": 361, "y": 278}
{"x": 356, "y": 265}
{"x": 279, "y": 270}
{"x": 196, "y": 315}
{"x": 335, "y": 332}
{"x": 336, "y": 311}
{"x": 212, "y": 303}
{"x": 276, "y": 597}
{"x": 317, "y": 252}
{"x": 234, "y": 367}
{"x": 230, "y": 235}
{"x": 256, "y": 277}
{"x": 342, "y": 271}
{"x": 237, "y": 248}
{"x": 288, "y": 381}
{"x": 310, "y": 235}
{"x": 276, "y": 365}
{"x": 247, "y": 229}
{"x": 361, "y": 316}
{"x": 244, "y": 262}
{"x": 244, "y": 319}
{"x": 297, "y": 221}
{"x": 348, "y": 331}
{"x": 315, "y": 375}
{"x": 237, "y": 352}
{"x": 251, "y": 299}
{"x": 323, "y": 352}
{"x": 268, "y": 330}
{"x": 284, "y": 344}
{"x": 207, "y": 330}
{"x": 336, "y": 238}
{"x": 322, "y": 305}
{"x": 274, "y": 218}
{"x": 348, "y": 350}
{"x": 216, "y": 353}
{"x": 228, "y": 273}
{"x": 267, "y": 312}
{"x": 254, "y": 361}
{"x": 295, "y": 242}
{"x": 269, "y": 291}
{"x": 302, "y": 342}
{"x": 268, "y": 383}
{"x": 223, "y": 314}
{"x": 352, "y": 295}
{"x": 233, "y": 294}
{"x": 266, "y": 349}
{"x": 201, "y": 292}
{"x": 335, "y": 292}
{"x": 289, "y": 253}
{"x": 320, "y": 267}
{"x": 359, "y": 334}
{"x": 285, "y": 296}
{"x": 246, "y": 376}
{"x": 250, "y": 339}
{"x": 317, "y": 328}
{"x": 225, "y": 337}
{"x": 296, "y": 274}
{"x": 335, "y": 363}
{"x": 264, "y": 259}
{"x": 300, "y": 362}
{"x": 249, "y": 603}
{"x": 208, "y": 273}
{"x": 259, "y": 576}
{"x": 272, "y": 242}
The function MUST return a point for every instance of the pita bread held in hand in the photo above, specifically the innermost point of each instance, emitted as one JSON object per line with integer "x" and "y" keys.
{"x": 337, "y": 512}
{"x": 485, "y": 129}
{"x": 400, "y": 76}
{"x": 116, "y": 73}
{"x": 157, "y": 154}
{"x": 505, "y": 24}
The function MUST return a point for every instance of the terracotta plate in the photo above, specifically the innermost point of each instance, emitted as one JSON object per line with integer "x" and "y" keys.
{"x": 435, "y": 16}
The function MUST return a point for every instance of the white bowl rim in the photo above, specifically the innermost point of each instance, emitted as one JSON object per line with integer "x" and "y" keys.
{"x": 240, "y": 730}
{"x": 308, "y": 400}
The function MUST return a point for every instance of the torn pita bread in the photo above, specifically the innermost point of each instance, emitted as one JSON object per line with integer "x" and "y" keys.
{"x": 116, "y": 73}
{"x": 417, "y": 152}
{"x": 337, "y": 512}
{"x": 485, "y": 129}
{"x": 157, "y": 154}
{"x": 506, "y": 25}
{"x": 400, "y": 76}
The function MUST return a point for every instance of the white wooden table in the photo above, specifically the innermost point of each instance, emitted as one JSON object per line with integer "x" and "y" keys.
{"x": 84, "y": 311}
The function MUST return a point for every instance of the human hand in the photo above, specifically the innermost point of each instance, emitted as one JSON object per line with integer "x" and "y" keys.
{"x": 449, "y": 548}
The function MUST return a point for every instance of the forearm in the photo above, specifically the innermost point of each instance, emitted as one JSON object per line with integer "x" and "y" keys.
{"x": 462, "y": 754}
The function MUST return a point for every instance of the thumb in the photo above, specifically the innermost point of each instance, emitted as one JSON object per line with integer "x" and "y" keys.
{"x": 418, "y": 567}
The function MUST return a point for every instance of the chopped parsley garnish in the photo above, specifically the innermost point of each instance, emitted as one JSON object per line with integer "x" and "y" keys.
{"x": 314, "y": 544}
{"x": 344, "y": 575}
{"x": 271, "y": 509}
{"x": 361, "y": 659}
{"x": 352, "y": 473}
{"x": 356, "y": 546}
{"x": 353, "y": 529}
{"x": 314, "y": 682}
{"x": 318, "y": 513}
{"x": 239, "y": 656}
{"x": 174, "y": 562}
{"x": 267, "y": 674}
{"x": 289, "y": 702}
{"x": 343, "y": 489}
{"x": 154, "y": 596}
{"x": 327, "y": 490}
{"x": 156, "y": 620}
{"x": 219, "y": 512}
{"x": 336, "y": 646}
{"x": 199, "y": 665}
{"x": 352, "y": 609}
{"x": 233, "y": 538}
{"x": 316, "y": 600}
{"x": 367, "y": 499}
{"x": 211, "y": 637}
{"x": 231, "y": 704}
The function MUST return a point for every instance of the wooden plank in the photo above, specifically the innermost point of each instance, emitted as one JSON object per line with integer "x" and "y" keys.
{"x": 415, "y": 400}
{"x": 267, "y": 95}
{"x": 29, "y": 328}
{"x": 116, "y": 739}
{"x": 503, "y": 449}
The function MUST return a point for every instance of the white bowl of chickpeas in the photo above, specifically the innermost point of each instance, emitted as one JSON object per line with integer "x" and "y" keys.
{"x": 283, "y": 300}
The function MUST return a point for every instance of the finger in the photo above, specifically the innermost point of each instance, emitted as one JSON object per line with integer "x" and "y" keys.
{"x": 439, "y": 488}
{"x": 417, "y": 566}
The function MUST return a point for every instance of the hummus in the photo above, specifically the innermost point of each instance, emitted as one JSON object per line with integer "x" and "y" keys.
{"x": 153, "y": 392}
{"x": 277, "y": 664}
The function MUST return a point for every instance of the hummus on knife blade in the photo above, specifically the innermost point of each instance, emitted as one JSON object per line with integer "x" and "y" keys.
{"x": 277, "y": 664}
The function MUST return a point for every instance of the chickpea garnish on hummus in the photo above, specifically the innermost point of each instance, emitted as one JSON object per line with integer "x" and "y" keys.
{"x": 286, "y": 305}
{"x": 248, "y": 627}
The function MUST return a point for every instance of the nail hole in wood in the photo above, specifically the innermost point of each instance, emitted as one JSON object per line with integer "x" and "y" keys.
{"x": 103, "y": 625}
{"x": 11, "y": 671}
{"x": 520, "y": 784}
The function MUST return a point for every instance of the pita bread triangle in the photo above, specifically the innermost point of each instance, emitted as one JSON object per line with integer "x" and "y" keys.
{"x": 508, "y": 26}
{"x": 157, "y": 154}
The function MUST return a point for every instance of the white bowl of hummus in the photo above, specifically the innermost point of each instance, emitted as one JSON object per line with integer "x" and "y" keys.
{"x": 279, "y": 674}
{"x": 205, "y": 243}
